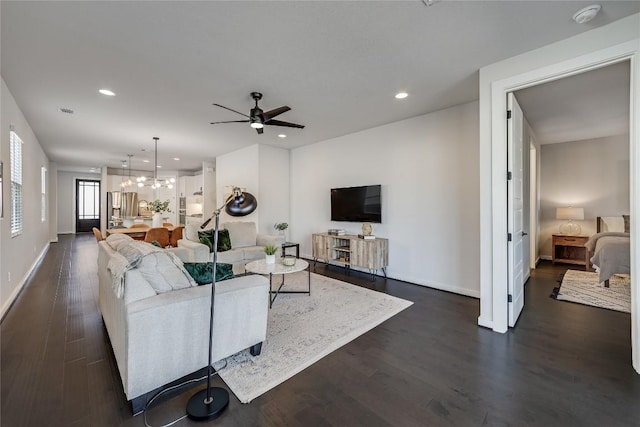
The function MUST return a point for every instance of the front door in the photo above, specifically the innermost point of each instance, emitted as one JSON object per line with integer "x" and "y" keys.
{"x": 87, "y": 205}
{"x": 515, "y": 206}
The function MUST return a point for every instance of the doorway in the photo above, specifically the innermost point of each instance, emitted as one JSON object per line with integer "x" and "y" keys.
{"x": 508, "y": 76}
{"x": 87, "y": 205}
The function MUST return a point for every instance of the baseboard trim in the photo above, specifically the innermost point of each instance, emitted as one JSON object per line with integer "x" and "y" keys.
{"x": 415, "y": 281}
{"x": 545, "y": 257}
{"x": 485, "y": 323}
{"x": 11, "y": 299}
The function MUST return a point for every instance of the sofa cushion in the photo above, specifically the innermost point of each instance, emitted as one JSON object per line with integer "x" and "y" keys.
{"x": 232, "y": 256}
{"x": 201, "y": 271}
{"x": 206, "y": 237}
{"x": 242, "y": 233}
{"x": 191, "y": 232}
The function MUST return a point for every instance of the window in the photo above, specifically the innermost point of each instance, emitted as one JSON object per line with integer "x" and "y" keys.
{"x": 43, "y": 194}
{"x": 16, "y": 184}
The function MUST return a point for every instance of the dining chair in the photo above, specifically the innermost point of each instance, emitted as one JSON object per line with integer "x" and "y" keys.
{"x": 97, "y": 233}
{"x": 158, "y": 234}
{"x": 167, "y": 224}
{"x": 176, "y": 235}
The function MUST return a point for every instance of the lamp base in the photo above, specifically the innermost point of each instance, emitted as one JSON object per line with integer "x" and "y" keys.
{"x": 198, "y": 410}
{"x": 570, "y": 229}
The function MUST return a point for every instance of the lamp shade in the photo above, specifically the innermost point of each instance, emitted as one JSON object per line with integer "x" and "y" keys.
{"x": 570, "y": 213}
{"x": 241, "y": 205}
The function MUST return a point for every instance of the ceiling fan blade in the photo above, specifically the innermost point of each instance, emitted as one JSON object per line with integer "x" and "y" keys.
{"x": 275, "y": 112}
{"x": 230, "y": 121}
{"x": 285, "y": 124}
{"x": 260, "y": 131}
{"x": 227, "y": 108}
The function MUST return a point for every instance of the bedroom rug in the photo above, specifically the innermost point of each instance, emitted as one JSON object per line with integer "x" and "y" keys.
{"x": 302, "y": 329}
{"x": 583, "y": 287}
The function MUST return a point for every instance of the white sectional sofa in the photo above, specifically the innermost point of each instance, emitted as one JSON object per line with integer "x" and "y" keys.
{"x": 246, "y": 244}
{"x": 160, "y": 337}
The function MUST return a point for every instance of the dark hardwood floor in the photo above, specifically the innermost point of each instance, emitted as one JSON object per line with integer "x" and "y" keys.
{"x": 431, "y": 365}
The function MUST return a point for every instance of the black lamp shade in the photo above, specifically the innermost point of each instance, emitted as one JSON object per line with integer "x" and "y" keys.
{"x": 242, "y": 205}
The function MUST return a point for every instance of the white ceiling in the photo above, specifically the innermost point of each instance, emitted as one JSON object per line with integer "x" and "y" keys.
{"x": 590, "y": 105}
{"x": 336, "y": 64}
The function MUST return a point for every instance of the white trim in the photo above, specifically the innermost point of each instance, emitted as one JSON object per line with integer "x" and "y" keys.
{"x": 499, "y": 88}
{"x": 16, "y": 291}
{"x": 487, "y": 323}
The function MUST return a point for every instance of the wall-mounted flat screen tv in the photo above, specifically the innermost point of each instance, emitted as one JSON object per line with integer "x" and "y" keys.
{"x": 356, "y": 204}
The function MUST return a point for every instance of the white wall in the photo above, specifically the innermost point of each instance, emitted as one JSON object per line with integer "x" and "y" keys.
{"x": 264, "y": 172}
{"x": 598, "y": 46}
{"x": 274, "y": 198}
{"x": 428, "y": 170}
{"x": 591, "y": 174}
{"x": 67, "y": 199}
{"x": 19, "y": 254}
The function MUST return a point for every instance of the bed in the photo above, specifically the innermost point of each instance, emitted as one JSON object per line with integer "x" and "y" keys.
{"x": 609, "y": 248}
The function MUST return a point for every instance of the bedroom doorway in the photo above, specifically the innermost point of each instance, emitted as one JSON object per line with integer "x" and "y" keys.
{"x": 495, "y": 84}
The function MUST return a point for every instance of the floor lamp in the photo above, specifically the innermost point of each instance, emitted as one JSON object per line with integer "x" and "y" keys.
{"x": 209, "y": 403}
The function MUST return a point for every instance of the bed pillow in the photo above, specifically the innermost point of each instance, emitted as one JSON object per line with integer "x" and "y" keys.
{"x": 613, "y": 223}
{"x": 201, "y": 271}
{"x": 627, "y": 223}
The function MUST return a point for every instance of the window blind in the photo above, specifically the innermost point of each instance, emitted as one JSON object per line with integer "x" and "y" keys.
{"x": 16, "y": 184}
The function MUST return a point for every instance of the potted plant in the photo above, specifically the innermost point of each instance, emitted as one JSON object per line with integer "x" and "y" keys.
{"x": 158, "y": 207}
{"x": 270, "y": 251}
{"x": 281, "y": 226}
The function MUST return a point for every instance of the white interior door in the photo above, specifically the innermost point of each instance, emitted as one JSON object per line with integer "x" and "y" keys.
{"x": 515, "y": 206}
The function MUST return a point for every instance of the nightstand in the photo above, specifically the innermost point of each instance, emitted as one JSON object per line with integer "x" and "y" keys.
{"x": 570, "y": 250}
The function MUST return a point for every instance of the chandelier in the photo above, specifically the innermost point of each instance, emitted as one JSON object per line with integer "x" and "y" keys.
{"x": 157, "y": 183}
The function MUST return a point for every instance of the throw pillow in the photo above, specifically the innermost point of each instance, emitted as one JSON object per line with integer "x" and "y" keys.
{"x": 627, "y": 223}
{"x": 201, "y": 271}
{"x": 207, "y": 236}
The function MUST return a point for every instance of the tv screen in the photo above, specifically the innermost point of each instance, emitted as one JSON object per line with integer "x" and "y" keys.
{"x": 356, "y": 204}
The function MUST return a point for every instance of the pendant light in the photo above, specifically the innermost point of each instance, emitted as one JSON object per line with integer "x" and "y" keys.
{"x": 167, "y": 183}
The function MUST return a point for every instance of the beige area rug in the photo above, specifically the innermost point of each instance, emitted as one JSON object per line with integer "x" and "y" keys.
{"x": 583, "y": 287}
{"x": 302, "y": 329}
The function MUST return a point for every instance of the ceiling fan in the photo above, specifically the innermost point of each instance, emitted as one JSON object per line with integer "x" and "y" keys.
{"x": 258, "y": 118}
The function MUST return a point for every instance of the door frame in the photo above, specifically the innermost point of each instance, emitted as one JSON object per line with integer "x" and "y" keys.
{"x": 494, "y": 313}
{"x": 76, "y": 184}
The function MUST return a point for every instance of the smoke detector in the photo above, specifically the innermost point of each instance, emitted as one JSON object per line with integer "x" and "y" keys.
{"x": 586, "y": 14}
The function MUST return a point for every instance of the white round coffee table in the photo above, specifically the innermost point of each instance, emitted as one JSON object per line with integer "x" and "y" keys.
{"x": 261, "y": 267}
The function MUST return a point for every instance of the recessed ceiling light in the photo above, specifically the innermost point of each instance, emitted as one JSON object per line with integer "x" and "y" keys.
{"x": 282, "y": 135}
{"x": 586, "y": 14}
{"x": 158, "y": 166}
{"x": 146, "y": 161}
{"x": 176, "y": 158}
{"x": 107, "y": 92}
{"x": 401, "y": 95}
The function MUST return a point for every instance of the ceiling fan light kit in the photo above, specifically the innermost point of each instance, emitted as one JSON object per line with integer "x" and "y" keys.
{"x": 257, "y": 118}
